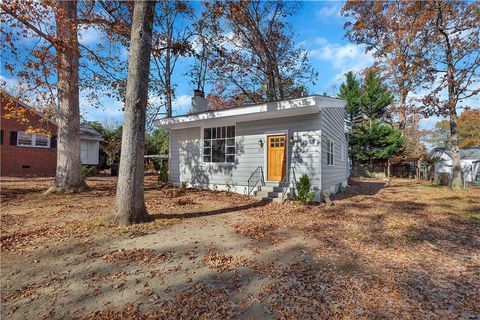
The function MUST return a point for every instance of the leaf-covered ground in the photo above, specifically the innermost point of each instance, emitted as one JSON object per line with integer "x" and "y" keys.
{"x": 398, "y": 249}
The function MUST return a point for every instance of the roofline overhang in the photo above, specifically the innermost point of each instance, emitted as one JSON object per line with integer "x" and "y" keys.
{"x": 269, "y": 110}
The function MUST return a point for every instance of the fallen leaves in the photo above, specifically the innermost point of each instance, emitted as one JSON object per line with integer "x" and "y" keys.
{"x": 223, "y": 263}
{"x": 137, "y": 255}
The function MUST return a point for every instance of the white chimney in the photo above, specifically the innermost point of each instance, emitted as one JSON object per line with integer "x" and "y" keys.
{"x": 199, "y": 103}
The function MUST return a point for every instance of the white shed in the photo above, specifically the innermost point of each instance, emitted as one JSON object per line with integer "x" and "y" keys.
{"x": 89, "y": 144}
{"x": 469, "y": 162}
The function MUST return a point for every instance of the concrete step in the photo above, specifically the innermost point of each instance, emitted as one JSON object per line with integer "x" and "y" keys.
{"x": 271, "y": 188}
{"x": 271, "y": 196}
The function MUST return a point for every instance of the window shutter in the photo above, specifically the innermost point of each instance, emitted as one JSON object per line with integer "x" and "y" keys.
{"x": 1, "y": 137}
{"x": 13, "y": 138}
{"x": 53, "y": 142}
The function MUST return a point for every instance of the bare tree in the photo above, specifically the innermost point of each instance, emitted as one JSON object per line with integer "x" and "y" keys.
{"x": 259, "y": 60}
{"x": 454, "y": 55}
{"x": 171, "y": 41}
{"x": 130, "y": 203}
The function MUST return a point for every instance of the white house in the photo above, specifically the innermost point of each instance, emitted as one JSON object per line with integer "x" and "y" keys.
{"x": 469, "y": 162}
{"x": 89, "y": 144}
{"x": 274, "y": 143}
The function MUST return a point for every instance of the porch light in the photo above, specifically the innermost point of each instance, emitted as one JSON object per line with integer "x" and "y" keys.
{"x": 291, "y": 140}
{"x": 260, "y": 143}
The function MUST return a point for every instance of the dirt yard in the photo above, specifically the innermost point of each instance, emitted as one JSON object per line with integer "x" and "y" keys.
{"x": 399, "y": 249}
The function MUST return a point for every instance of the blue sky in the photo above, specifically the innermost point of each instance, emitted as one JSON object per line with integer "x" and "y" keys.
{"x": 319, "y": 29}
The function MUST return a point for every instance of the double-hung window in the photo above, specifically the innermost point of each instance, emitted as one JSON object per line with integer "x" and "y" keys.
{"x": 330, "y": 152}
{"x": 32, "y": 140}
{"x": 219, "y": 144}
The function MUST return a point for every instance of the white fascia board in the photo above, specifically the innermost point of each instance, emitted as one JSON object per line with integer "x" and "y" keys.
{"x": 279, "y": 109}
{"x": 82, "y": 137}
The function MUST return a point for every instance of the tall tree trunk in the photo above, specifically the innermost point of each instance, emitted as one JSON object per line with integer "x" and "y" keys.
{"x": 168, "y": 84}
{"x": 402, "y": 112}
{"x": 452, "y": 103}
{"x": 130, "y": 202}
{"x": 456, "y": 166}
{"x": 68, "y": 176}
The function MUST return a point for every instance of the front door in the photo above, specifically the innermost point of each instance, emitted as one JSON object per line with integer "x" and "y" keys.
{"x": 276, "y": 157}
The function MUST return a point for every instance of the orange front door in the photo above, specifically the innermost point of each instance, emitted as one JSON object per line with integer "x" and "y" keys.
{"x": 276, "y": 157}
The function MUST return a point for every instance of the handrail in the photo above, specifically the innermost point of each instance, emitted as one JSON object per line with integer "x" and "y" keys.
{"x": 288, "y": 181}
{"x": 261, "y": 179}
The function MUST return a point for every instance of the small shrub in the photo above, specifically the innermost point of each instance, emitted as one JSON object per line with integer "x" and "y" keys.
{"x": 86, "y": 171}
{"x": 163, "y": 175}
{"x": 184, "y": 184}
{"x": 304, "y": 195}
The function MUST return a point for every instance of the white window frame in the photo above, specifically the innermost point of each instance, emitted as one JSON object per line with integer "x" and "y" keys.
{"x": 202, "y": 146}
{"x": 33, "y": 143}
{"x": 330, "y": 151}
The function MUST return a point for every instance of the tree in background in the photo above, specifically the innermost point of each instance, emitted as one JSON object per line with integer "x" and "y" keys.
{"x": 392, "y": 31}
{"x": 454, "y": 64}
{"x": 258, "y": 60}
{"x": 375, "y": 140}
{"x": 111, "y": 145}
{"x": 350, "y": 91}
{"x": 130, "y": 202}
{"x": 375, "y": 97}
{"x": 370, "y": 138}
{"x": 156, "y": 142}
{"x": 59, "y": 34}
{"x": 440, "y": 135}
{"x": 171, "y": 41}
{"x": 468, "y": 131}
{"x": 52, "y": 68}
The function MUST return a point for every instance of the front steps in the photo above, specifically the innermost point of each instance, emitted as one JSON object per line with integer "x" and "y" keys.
{"x": 271, "y": 192}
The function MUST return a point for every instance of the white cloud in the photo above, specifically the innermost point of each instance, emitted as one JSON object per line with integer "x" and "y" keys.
{"x": 111, "y": 109}
{"x": 11, "y": 85}
{"x": 329, "y": 11}
{"x": 182, "y": 104}
{"x": 343, "y": 57}
{"x": 89, "y": 35}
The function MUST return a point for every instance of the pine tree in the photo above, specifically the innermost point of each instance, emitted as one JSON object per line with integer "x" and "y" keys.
{"x": 350, "y": 91}
{"x": 375, "y": 141}
{"x": 375, "y": 97}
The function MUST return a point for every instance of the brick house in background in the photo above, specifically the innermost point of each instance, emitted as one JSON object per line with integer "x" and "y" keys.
{"x": 24, "y": 152}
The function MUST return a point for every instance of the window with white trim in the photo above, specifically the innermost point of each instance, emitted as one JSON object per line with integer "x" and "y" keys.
{"x": 330, "y": 152}
{"x": 32, "y": 140}
{"x": 219, "y": 144}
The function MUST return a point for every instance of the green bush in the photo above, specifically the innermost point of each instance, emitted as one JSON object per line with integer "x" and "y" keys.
{"x": 184, "y": 184}
{"x": 304, "y": 195}
{"x": 163, "y": 174}
{"x": 86, "y": 171}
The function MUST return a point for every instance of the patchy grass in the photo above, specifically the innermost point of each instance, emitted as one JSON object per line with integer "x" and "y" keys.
{"x": 386, "y": 249}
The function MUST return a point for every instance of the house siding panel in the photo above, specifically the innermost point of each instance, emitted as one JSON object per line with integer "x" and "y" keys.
{"x": 332, "y": 124}
{"x": 186, "y": 163}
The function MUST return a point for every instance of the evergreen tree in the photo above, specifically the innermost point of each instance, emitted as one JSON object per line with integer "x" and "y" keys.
{"x": 375, "y": 141}
{"x": 375, "y": 97}
{"x": 350, "y": 91}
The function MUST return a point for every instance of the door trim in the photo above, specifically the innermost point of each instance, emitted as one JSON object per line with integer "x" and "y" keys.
{"x": 265, "y": 151}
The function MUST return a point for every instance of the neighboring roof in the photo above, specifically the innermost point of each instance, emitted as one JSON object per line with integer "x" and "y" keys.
{"x": 465, "y": 153}
{"x": 23, "y": 104}
{"x": 268, "y": 110}
{"x": 88, "y": 133}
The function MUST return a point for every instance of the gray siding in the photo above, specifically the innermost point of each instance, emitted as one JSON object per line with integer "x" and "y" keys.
{"x": 186, "y": 163}
{"x": 332, "y": 125}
